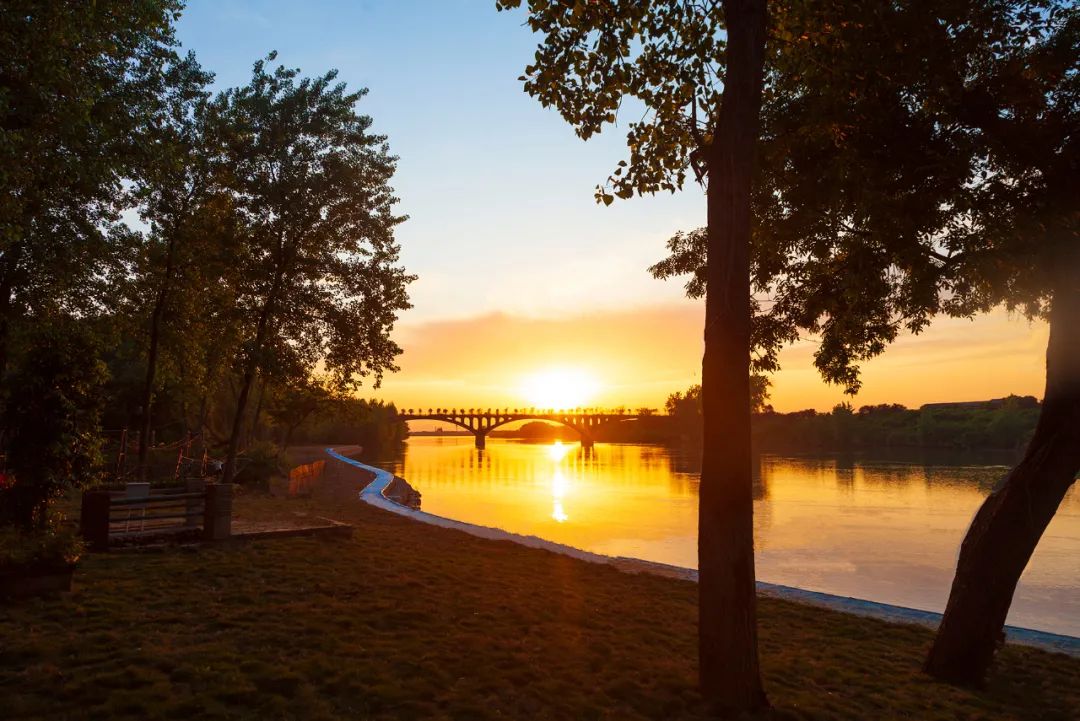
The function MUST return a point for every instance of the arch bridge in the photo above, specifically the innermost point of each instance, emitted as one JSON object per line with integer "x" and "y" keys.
{"x": 480, "y": 423}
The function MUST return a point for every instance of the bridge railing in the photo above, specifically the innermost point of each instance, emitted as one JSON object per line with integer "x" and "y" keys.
{"x": 527, "y": 411}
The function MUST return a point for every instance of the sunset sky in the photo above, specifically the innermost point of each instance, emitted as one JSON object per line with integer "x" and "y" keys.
{"x": 522, "y": 277}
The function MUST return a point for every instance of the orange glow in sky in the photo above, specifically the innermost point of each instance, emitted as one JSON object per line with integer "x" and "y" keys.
{"x": 636, "y": 358}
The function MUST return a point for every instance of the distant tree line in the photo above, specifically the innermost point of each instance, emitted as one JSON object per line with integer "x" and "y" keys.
{"x": 538, "y": 431}
{"x": 1002, "y": 424}
{"x": 368, "y": 423}
{"x": 1007, "y": 426}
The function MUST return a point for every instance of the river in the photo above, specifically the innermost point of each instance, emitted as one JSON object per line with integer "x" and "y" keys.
{"x": 879, "y": 526}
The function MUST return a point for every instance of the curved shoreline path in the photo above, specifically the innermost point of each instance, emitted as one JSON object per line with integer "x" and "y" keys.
{"x": 374, "y": 494}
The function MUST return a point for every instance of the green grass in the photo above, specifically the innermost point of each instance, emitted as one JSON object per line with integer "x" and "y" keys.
{"x": 411, "y": 621}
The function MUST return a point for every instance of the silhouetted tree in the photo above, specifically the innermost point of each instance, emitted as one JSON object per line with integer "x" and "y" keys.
{"x": 53, "y": 416}
{"x": 320, "y": 274}
{"x": 294, "y": 403}
{"x": 181, "y": 202}
{"x": 914, "y": 165}
{"x": 684, "y": 409}
{"x": 670, "y": 56}
{"x": 79, "y": 86}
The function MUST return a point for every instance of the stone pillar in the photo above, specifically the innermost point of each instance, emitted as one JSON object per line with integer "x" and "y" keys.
{"x": 94, "y": 519}
{"x": 481, "y": 441}
{"x": 217, "y": 516}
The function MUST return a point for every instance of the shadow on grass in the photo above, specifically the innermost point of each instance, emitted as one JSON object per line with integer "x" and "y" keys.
{"x": 410, "y": 621}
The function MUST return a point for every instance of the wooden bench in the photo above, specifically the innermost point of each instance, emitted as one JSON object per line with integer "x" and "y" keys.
{"x": 139, "y": 513}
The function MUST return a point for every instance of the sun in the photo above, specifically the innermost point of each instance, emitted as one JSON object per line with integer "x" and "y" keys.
{"x": 559, "y": 388}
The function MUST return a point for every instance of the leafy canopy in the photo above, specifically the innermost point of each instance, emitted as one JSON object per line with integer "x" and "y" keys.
{"x": 664, "y": 60}
{"x": 911, "y": 164}
{"x": 80, "y": 83}
{"x": 319, "y": 274}
{"x": 52, "y": 416}
{"x": 912, "y": 161}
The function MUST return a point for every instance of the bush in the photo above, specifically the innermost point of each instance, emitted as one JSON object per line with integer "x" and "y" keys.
{"x": 52, "y": 419}
{"x": 261, "y": 462}
{"x": 56, "y": 546}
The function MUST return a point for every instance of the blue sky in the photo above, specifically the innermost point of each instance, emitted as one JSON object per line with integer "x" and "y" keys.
{"x": 520, "y": 271}
{"x": 499, "y": 190}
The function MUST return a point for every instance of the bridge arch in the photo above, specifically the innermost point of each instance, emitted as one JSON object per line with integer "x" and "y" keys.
{"x": 441, "y": 419}
{"x": 480, "y": 424}
{"x": 583, "y": 434}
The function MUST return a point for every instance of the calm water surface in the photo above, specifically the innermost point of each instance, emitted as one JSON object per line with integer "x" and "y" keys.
{"x": 880, "y": 527}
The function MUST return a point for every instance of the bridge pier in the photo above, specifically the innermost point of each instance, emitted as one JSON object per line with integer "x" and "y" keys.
{"x": 481, "y": 441}
{"x": 586, "y": 442}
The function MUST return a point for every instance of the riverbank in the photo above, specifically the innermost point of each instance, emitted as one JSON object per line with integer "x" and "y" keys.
{"x": 394, "y": 494}
{"x": 407, "y": 620}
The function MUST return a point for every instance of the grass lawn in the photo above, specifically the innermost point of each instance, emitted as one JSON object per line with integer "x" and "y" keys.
{"x": 411, "y": 621}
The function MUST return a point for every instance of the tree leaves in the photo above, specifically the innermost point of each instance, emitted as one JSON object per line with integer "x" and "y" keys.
{"x": 909, "y": 166}
{"x": 53, "y": 415}
{"x": 312, "y": 185}
{"x": 911, "y": 162}
{"x": 82, "y": 83}
{"x": 659, "y": 61}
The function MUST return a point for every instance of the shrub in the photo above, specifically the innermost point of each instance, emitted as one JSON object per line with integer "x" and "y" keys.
{"x": 52, "y": 419}
{"x": 261, "y": 462}
{"x": 57, "y": 544}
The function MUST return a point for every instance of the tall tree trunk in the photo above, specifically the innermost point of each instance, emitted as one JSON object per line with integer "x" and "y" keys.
{"x": 730, "y": 676}
{"x": 208, "y": 384}
{"x": 253, "y": 433}
{"x": 9, "y": 267}
{"x": 229, "y": 471}
{"x": 152, "y": 359}
{"x": 5, "y": 321}
{"x": 200, "y": 422}
{"x": 1010, "y": 522}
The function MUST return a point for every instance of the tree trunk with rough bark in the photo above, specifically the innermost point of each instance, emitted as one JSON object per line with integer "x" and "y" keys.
{"x": 252, "y": 368}
{"x": 1011, "y": 521}
{"x": 9, "y": 268}
{"x": 229, "y": 470}
{"x": 5, "y": 322}
{"x": 156, "y": 315}
{"x": 253, "y": 432}
{"x": 730, "y": 675}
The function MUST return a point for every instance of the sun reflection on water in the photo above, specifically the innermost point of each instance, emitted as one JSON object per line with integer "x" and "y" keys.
{"x": 559, "y": 487}
{"x": 557, "y": 451}
{"x": 559, "y": 484}
{"x": 884, "y": 528}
